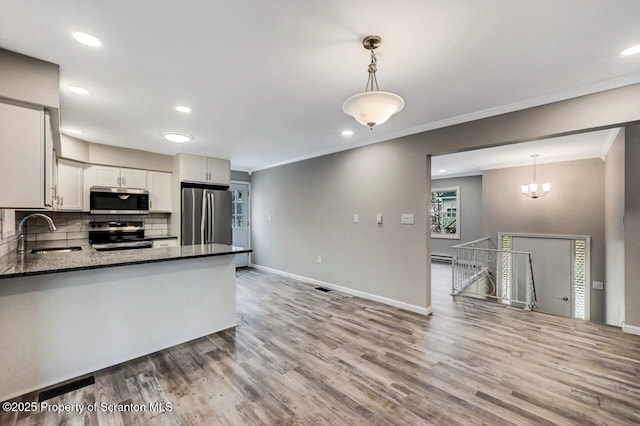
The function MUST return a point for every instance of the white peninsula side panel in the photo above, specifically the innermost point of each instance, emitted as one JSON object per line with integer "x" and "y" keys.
{"x": 59, "y": 326}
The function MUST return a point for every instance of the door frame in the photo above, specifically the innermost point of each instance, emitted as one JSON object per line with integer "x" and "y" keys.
{"x": 587, "y": 278}
{"x": 248, "y": 205}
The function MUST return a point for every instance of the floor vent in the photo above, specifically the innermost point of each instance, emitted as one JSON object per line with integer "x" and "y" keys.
{"x": 69, "y": 387}
{"x": 322, "y": 289}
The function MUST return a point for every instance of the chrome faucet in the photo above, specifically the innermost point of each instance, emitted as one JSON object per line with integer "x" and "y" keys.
{"x": 21, "y": 237}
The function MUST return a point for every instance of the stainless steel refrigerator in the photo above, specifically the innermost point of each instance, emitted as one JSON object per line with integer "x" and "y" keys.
{"x": 206, "y": 216}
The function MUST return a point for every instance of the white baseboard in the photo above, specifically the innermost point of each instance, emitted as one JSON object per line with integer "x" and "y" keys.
{"x": 631, "y": 329}
{"x": 368, "y": 296}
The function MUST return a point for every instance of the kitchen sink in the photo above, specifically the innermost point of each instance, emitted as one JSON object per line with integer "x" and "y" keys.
{"x": 56, "y": 250}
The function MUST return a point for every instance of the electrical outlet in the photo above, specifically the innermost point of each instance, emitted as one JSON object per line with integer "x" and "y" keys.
{"x": 356, "y": 218}
{"x": 269, "y": 217}
{"x": 598, "y": 285}
{"x": 319, "y": 259}
{"x": 379, "y": 218}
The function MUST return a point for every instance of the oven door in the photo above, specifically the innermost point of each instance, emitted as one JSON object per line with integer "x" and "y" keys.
{"x": 118, "y": 201}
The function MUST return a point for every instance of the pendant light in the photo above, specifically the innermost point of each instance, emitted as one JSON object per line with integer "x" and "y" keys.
{"x": 372, "y": 107}
{"x": 531, "y": 190}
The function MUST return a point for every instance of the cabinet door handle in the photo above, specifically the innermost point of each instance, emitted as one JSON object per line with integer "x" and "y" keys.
{"x": 124, "y": 181}
{"x": 150, "y": 204}
{"x": 61, "y": 201}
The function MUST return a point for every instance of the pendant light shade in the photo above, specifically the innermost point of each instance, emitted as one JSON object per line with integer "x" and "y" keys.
{"x": 372, "y": 107}
{"x": 531, "y": 190}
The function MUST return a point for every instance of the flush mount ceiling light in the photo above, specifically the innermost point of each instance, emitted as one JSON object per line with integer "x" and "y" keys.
{"x": 71, "y": 131}
{"x": 177, "y": 137}
{"x": 78, "y": 90}
{"x": 531, "y": 190}
{"x": 372, "y": 107}
{"x": 347, "y": 132}
{"x": 631, "y": 51}
{"x": 184, "y": 109}
{"x": 87, "y": 39}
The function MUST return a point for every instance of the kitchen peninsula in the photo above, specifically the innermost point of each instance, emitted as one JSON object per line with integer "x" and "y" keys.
{"x": 63, "y": 315}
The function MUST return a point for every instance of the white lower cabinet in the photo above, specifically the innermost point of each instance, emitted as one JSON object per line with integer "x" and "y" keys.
{"x": 69, "y": 188}
{"x": 172, "y": 242}
{"x": 159, "y": 187}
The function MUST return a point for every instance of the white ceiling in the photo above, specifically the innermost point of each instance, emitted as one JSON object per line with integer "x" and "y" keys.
{"x": 266, "y": 78}
{"x": 565, "y": 148}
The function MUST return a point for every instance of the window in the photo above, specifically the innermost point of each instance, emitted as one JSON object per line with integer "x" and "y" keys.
{"x": 445, "y": 216}
{"x": 579, "y": 278}
{"x": 237, "y": 209}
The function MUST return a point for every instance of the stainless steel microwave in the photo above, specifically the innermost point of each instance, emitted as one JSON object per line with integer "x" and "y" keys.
{"x": 103, "y": 200}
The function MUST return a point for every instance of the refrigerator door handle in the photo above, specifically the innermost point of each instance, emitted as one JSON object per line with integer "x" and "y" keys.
{"x": 203, "y": 224}
{"x": 211, "y": 217}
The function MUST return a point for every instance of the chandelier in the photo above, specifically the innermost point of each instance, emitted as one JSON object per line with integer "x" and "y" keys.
{"x": 372, "y": 107}
{"x": 531, "y": 190}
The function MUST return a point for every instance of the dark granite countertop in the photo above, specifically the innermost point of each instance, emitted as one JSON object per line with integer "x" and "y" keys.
{"x": 12, "y": 265}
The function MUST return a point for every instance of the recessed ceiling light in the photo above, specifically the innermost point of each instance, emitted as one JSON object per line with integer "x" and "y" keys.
{"x": 87, "y": 39}
{"x": 442, "y": 170}
{"x": 184, "y": 109}
{"x": 71, "y": 131}
{"x": 177, "y": 137}
{"x": 347, "y": 132}
{"x": 632, "y": 50}
{"x": 78, "y": 90}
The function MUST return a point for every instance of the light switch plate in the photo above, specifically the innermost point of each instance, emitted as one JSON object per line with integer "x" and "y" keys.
{"x": 356, "y": 218}
{"x": 269, "y": 217}
{"x": 406, "y": 219}
{"x": 379, "y": 218}
{"x": 598, "y": 285}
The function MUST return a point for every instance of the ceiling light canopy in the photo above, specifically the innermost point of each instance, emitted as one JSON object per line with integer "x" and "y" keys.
{"x": 633, "y": 50}
{"x": 184, "y": 109}
{"x": 347, "y": 132}
{"x": 531, "y": 190}
{"x": 78, "y": 90}
{"x": 372, "y": 107}
{"x": 177, "y": 137}
{"x": 87, "y": 39}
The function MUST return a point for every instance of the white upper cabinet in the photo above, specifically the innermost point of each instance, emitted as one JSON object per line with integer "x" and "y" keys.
{"x": 104, "y": 176}
{"x": 133, "y": 178}
{"x": 115, "y": 177}
{"x": 159, "y": 186}
{"x": 69, "y": 186}
{"x": 24, "y": 171}
{"x": 194, "y": 168}
{"x": 219, "y": 171}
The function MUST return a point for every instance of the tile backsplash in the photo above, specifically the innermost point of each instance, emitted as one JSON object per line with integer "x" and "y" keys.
{"x": 8, "y": 244}
{"x": 76, "y": 225}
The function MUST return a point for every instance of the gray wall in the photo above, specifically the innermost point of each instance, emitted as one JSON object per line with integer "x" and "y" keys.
{"x": 575, "y": 206}
{"x": 632, "y": 227}
{"x": 240, "y": 176}
{"x": 312, "y": 203}
{"x": 107, "y": 155}
{"x": 311, "y": 198}
{"x": 614, "y": 231}
{"x": 29, "y": 80}
{"x": 470, "y": 212}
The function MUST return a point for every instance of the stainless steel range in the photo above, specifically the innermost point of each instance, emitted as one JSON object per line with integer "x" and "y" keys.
{"x": 105, "y": 236}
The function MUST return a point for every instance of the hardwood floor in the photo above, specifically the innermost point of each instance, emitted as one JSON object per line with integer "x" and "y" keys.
{"x": 301, "y": 356}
